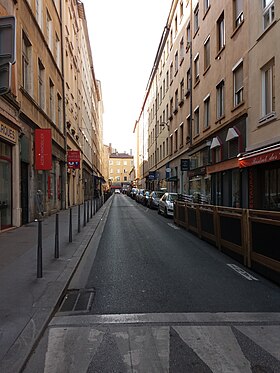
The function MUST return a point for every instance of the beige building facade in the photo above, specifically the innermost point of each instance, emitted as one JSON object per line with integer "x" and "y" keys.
{"x": 202, "y": 104}
{"x": 48, "y": 111}
{"x": 120, "y": 166}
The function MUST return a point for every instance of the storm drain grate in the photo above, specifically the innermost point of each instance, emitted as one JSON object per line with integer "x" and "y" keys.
{"x": 77, "y": 300}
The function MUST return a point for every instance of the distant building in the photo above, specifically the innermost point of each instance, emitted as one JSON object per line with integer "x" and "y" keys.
{"x": 120, "y": 165}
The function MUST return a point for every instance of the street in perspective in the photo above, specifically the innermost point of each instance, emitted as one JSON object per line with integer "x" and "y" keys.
{"x": 149, "y": 296}
{"x": 139, "y": 186}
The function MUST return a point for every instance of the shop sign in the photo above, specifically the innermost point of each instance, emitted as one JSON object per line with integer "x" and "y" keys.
{"x": 152, "y": 175}
{"x": 268, "y": 156}
{"x": 43, "y": 149}
{"x": 73, "y": 159}
{"x": 185, "y": 164}
{"x": 8, "y": 133}
{"x": 197, "y": 172}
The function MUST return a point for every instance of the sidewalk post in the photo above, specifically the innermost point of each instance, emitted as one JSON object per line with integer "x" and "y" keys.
{"x": 39, "y": 251}
{"x": 85, "y": 217}
{"x": 91, "y": 208}
{"x": 56, "y": 247}
{"x": 40, "y": 211}
{"x": 88, "y": 211}
{"x": 70, "y": 225}
{"x": 79, "y": 218}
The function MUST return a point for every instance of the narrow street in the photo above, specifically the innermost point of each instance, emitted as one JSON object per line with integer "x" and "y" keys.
{"x": 161, "y": 301}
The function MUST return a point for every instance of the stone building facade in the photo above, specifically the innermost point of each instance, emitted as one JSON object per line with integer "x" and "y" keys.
{"x": 45, "y": 112}
{"x": 204, "y": 105}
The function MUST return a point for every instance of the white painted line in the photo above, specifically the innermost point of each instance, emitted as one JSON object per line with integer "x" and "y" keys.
{"x": 173, "y": 226}
{"x": 171, "y": 318}
{"x": 243, "y": 273}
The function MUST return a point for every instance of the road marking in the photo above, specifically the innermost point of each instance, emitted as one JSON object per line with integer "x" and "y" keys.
{"x": 171, "y": 318}
{"x": 173, "y": 226}
{"x": 243, "y": 273}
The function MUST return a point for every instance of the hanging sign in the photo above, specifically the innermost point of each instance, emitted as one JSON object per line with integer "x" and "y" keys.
{"x": 43, "y": 149}
{"x": 73, "y": 159}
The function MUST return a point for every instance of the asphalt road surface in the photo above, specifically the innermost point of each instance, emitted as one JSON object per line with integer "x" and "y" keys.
{"x": 161, "y": 300}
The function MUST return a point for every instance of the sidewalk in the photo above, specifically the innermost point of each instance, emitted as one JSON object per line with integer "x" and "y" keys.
{"x": 28, "y": 302}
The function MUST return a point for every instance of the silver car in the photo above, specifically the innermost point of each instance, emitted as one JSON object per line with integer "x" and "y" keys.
{"x": 165, "y": 204}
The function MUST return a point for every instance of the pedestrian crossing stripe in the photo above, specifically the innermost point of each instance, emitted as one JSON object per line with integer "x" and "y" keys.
{"x": 234, "y": 343}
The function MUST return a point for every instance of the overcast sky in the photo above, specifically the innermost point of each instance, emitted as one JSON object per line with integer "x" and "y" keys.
{"x": 124, "y": 37}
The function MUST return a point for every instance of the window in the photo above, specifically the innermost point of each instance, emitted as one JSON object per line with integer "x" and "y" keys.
{"x": 188, "y": 31}
{"x": 238, "y": 84}
{"x": 220, "y": 99}
{"x": 176, "y": 25}
{"x": 182, "y": 91}
{"x": 196, "y": 21}
{"x": 171, "y": 144}
{"x": 207, "y": 53}
{"x": 181, "y": 135}
{"x": 176, "y": 141}
{"x": 167, "y": 80}
{"x": 171, "y": 39}
{"x": 207, "y": 111}
{"x": 41, "y": 84}
{"x": 196, "y": 121}
{"x": 49, "y": 30}
{"x": 237, "y": 12}
{"x": 268, "y": 13}
{"x": 176, "y": 62}
{"x": 196, "y": 68}
{"x": 176, "y": 101}
{"x": 268, "y": 88}
{"x": 39, "y": 12}
{"x": 206, "y": 5}
{"x": 171, "y": 107}
{"x": 182, "y": 51}
{"x": 57, "y": 50}
{"x": 221, "y": 32}
{"x": 26, "y": 63}
{"x": 181, "y": 9}
{"x": 59, "y": 113}
{"x": 189, "y": 130}
{"x": 171, "y": 72}
{"x": 188, "y": 81}
{"x": 52, "y": 102}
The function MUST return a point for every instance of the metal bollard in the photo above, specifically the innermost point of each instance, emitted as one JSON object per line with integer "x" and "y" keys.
{"x": 85, "y": 216}
{"x": 87, "y": 211}
{"x": 79, "y": 218}
{"x": 56, "y": 246}
{"x": 91, "y": 208}
{"x": 70, "y": 225}
{"x": 39, "y": 251}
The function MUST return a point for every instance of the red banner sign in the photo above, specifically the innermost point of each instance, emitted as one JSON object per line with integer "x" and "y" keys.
{"x": 73, "y": 159}
{"x": 264, "y": 157}
{"x": 43, "y": 149}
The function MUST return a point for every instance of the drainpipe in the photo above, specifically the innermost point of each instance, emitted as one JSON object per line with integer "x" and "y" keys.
{"x": 64, "y": 181}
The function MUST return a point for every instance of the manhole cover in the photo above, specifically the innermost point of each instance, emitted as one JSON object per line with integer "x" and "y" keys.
{"x": 77, "y": 300}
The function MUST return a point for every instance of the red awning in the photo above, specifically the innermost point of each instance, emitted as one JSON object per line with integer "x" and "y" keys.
{"x": 255, "y": 158}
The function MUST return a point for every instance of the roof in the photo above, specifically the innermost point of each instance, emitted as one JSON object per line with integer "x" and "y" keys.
{"x": 121, "y": 155}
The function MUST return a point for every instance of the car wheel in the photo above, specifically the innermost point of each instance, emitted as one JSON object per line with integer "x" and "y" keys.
{"x": 158, "y": 211}
{"x": 165, "y": 212}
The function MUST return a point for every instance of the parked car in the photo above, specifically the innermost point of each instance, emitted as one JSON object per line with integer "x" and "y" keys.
{"x": 145, "y": 198}
{"x": 154, "y": 198}
{"x": 165, "y": 204}
{"x": 117, "y": 191}
{"x": 133, "y": 193}
{"x": 139, "y": 195}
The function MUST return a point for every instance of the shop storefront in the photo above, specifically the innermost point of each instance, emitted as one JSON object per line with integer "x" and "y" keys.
{"x": 8, "y": 138}
{"x": 263, "y": 170}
